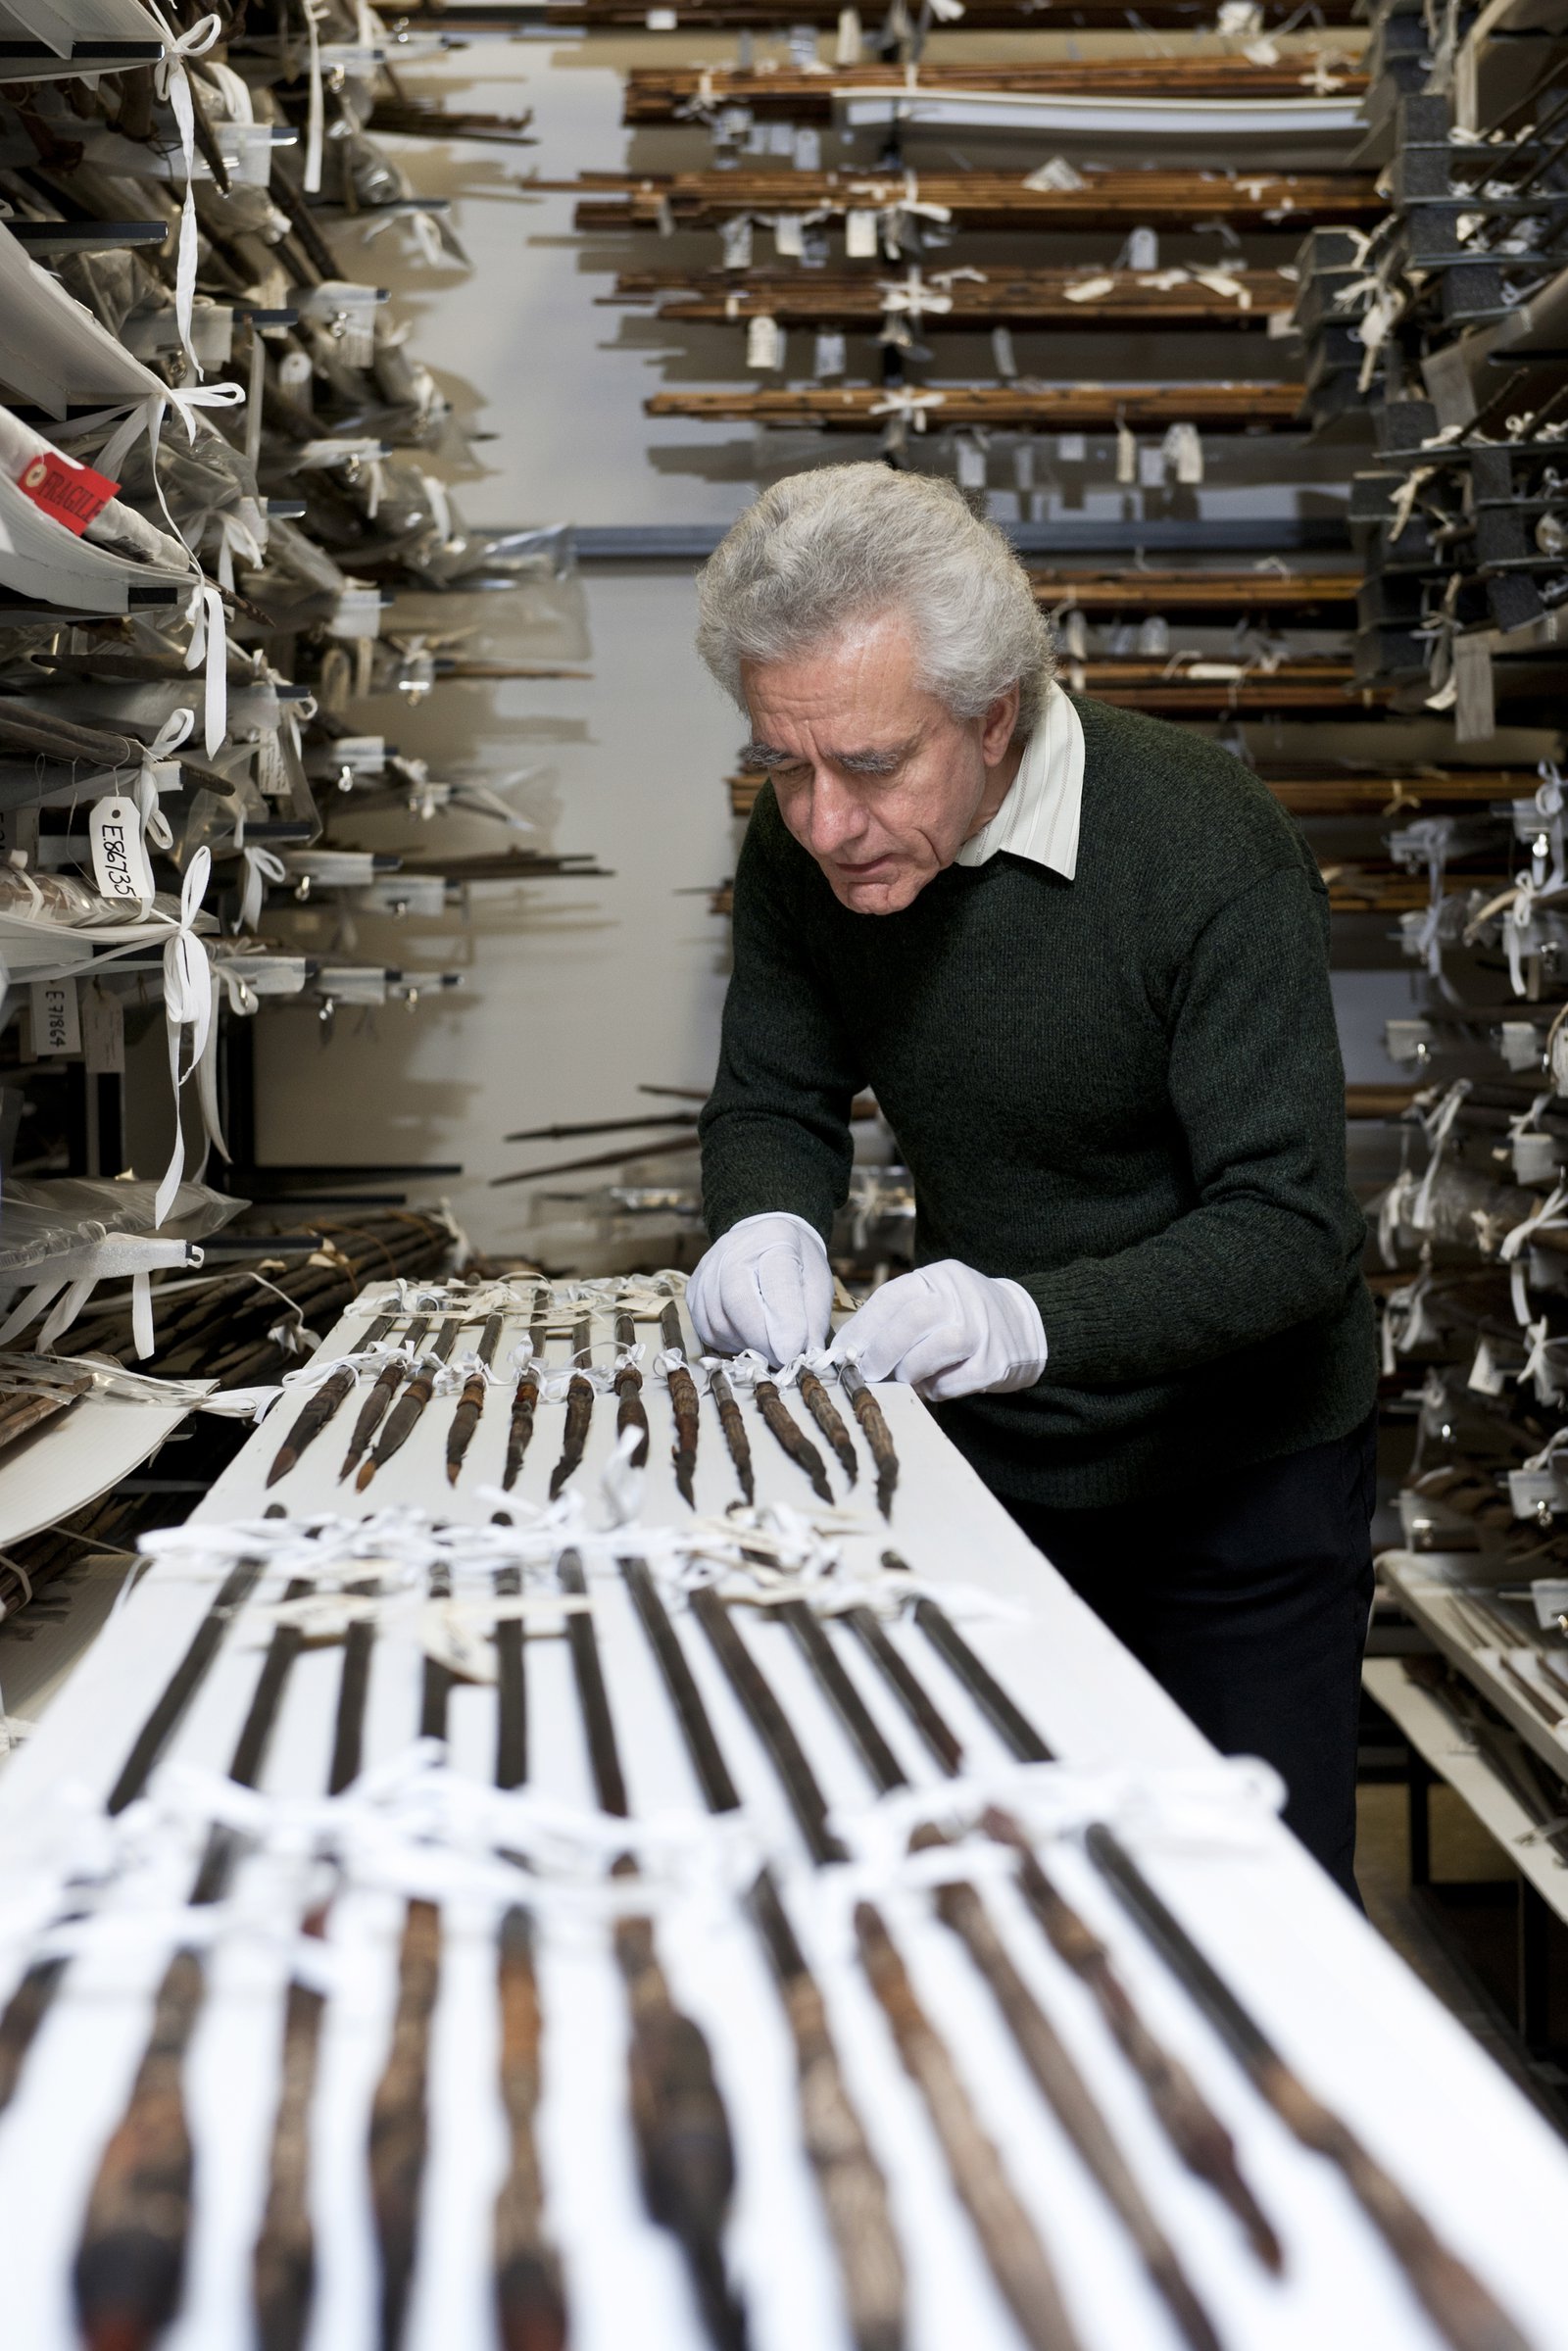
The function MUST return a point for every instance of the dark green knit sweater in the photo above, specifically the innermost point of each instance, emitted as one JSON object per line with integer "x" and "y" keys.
{"x": 1124, "y": 1092}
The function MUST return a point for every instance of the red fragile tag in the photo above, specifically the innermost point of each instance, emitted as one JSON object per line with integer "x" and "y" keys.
{"x": 68, "y": 493}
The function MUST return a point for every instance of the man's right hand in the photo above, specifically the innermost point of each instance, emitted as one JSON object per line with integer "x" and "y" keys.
{"x": 765, "y": 1284}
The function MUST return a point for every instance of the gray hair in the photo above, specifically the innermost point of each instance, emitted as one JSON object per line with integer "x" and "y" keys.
{"x": 821, "y": 550}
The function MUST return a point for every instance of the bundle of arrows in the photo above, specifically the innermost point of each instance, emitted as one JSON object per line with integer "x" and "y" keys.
{"x": 525, "y": 1386}
{"x": 663, "y": 2030}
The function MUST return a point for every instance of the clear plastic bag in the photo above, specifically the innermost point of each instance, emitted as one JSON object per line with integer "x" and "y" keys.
{"x": 52, "y": 1220}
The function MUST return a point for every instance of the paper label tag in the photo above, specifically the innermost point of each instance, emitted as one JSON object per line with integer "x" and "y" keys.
{"x": 971, "y": 461}
{"x": 66, "y": 492}
{"x": 358, "y": 614}
{"x": 119, "y": 865}
{"x": 860, "y": 236}
{"x": 103, "y": 1031}
{"x": 247, "y": 151}
{"x": 56, "y": 1023}
{"x": 764, "y": 345}
{"x": 831, "y": 355}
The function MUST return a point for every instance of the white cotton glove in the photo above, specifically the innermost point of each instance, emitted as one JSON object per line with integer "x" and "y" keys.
{"x": 947, "y": 1331}
{"x": 765, "y": 1284}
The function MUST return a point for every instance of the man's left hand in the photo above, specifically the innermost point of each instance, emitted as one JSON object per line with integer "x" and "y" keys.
{"x": 947, "y": 1331}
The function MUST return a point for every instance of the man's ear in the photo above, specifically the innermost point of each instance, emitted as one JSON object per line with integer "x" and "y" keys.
{"x": 999, "y": 725}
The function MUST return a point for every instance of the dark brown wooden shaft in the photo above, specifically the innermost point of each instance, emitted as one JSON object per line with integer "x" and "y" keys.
{"x": 1006, "y": 16}
{"x": 530, "y": 2306}
{"x": 400, "y": 2121}
{"x": 792, "y": 1436}
{"x": 1053, "y": 408}
{"x": 283, "y": 2260}
{"x": 1465, "y": 2313}
{"x": 405, "y": 1415}
{"x": 878, "y": 1436}
{"x": 821, "y": 1405}
{"x": 579, "y": 1414}
{"x": 686, "y": 2156}
{"x": 374, "y": 1408}
{"x": 520, "y": 1427}
{"x": 1016, "y": 2258}
{"x": 465, "y": 1421}
{"x": 1070, "y": 2099}
{"x": 1011, "y": 2246}
{"x": 906, "y": 1686}
{"x": 320, "y": 1408}
{"x": 1543, "y": 1706}
{"x": 130, "y": 2261}
{"x": 734, "y": 1428}
{"x": 1010, "y": 298}
{"x": 1039, "y": 2044}
{"x": 686, "y": 1406}
{"x": 632, "y": 1413}
{"x": 1109, "y": 200}
{"x": 399, "y": 2116}
{"x": 1190, "y": 2124}
{"x": 1195, "y": 2132}
{"x": 531, "y": 2300}
{"x": 849, "y": 2180}
{"x": 34, "y": 1996}
{"x": 470, "y": 1403}
{"x": 771, "y": 1724}
{"x": 669, "y": 93}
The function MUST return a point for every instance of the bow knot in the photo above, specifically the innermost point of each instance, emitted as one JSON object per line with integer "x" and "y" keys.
{"x": 163, "y": 747}
{"x": 172, "y": 82}
{"x": 262, "y": 865}
{"x": 188, "y": 1007}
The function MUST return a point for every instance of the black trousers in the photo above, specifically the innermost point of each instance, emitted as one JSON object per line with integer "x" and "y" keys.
{"x": 1248, "y": 1600}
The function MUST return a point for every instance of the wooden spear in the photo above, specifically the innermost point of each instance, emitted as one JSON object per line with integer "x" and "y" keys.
{"x": 853, "y": 2192}
{"x": 130, "y": 2261}
{"x": 1459, "y": 2306}
{"x": 683, "y": 2139}
{"x": 579, "y": 1407}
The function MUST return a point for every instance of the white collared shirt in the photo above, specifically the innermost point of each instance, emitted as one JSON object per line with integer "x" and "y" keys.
{"x": 1039, "y": 818}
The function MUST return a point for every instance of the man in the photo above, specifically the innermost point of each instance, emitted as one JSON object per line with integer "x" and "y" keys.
{"x": 1081, "y": 959}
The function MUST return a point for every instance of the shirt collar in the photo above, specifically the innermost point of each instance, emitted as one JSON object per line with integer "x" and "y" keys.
{"x": 1039, "y": 818}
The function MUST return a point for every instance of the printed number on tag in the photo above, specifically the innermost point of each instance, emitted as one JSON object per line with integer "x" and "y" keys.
{"x": 56, "y": 1021}
{"x": 119, "y": 865}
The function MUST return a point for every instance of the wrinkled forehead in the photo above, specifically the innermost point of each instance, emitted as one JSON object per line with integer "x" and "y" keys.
{"x": 854, "y": 699}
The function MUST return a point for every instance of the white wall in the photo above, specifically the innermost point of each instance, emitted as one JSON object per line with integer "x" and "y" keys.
{"x": 576, "y": 991}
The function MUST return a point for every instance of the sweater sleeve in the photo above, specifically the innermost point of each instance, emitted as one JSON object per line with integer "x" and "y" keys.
{"x": 775, "y": 1130}
{"x": 1257, "y": 1087}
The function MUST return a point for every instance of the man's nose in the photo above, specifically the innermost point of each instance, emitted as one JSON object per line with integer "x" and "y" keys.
{"x": 837, "y": 816}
